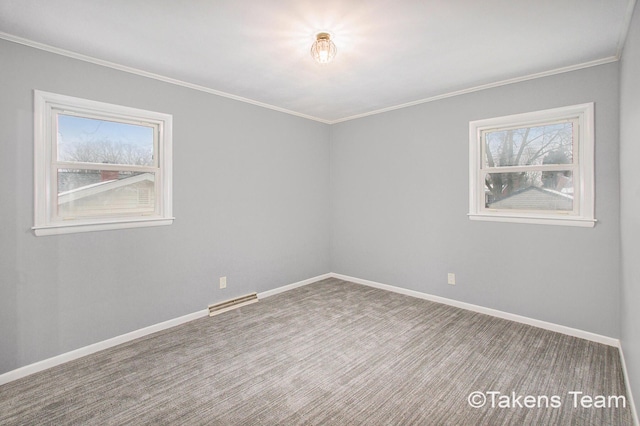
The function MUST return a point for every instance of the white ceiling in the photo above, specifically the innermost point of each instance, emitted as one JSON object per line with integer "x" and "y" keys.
{"x": 390, "y": 53}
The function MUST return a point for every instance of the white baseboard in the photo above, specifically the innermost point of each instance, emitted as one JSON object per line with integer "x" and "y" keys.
{"x": 292, "y": 286}
{"x": 610, "y": 341}
{"x": 105, "y": 344}
{"x": 632, "y": 405}
{"x": 513, "y": 317}
{"x": 463, "y": 305}
{"x": 87, "y": 350}
{"x": 488, "y": 311}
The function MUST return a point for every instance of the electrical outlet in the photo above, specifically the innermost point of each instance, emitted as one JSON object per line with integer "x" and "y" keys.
{"x": 223, "y": 282}
{"x": 451, "y": 278}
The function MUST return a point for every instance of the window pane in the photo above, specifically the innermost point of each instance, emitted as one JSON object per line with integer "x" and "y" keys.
{"x": 105, "y": 193}
{"x": 547, "y": 144}
{"x": 529, "y": 190}
{"x": 90, "y": 140}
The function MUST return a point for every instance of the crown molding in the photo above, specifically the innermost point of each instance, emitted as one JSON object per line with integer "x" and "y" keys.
{"x": 142, "y": 73}
{"x": 485, "y": 87}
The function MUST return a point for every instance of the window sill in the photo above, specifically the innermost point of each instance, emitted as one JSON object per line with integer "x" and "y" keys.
{"x": 538, "y": 220}
{"x": 70, "y": 228}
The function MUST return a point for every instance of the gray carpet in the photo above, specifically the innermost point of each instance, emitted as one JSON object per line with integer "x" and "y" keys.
{"x": 330, "y": 353}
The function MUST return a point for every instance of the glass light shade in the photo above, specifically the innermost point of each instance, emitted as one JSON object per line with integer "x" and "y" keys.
{"x": 323, "y": 49}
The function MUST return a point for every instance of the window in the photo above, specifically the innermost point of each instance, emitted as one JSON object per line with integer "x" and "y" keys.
{"x": 534, "y": 168}
{"x": 99, "y": 166}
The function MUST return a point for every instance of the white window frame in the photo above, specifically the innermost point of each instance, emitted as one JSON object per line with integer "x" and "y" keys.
{"x": 582, "y": 167}
{"x": 46, "y": 107}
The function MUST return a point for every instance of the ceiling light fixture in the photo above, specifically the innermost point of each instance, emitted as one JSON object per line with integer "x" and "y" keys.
{"x": 323, "y": 49}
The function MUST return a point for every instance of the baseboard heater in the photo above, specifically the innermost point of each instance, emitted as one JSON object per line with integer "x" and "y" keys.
{"x": 225, "y": 306}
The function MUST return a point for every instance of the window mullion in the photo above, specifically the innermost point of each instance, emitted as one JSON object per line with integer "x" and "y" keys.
{"x": 88, "y": 195}
{"x": 104, "y": 166}
{"x": 557, "y": 192}
{"x": 532, "y": 168}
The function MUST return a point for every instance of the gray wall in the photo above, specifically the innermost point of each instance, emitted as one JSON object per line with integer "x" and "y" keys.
{"x": 630, "y": 200}
{"x": 262, "y": 198}
{"x": 251, "y": 191}
{"x": 399, "y": 195}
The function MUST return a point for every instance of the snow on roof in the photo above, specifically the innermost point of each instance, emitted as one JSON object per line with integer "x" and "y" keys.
{"x": 97, "y": 188}
{"x": 534, "y": 198}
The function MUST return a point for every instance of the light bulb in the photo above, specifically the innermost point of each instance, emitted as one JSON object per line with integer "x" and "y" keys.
{"x": 323, "y": 49}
